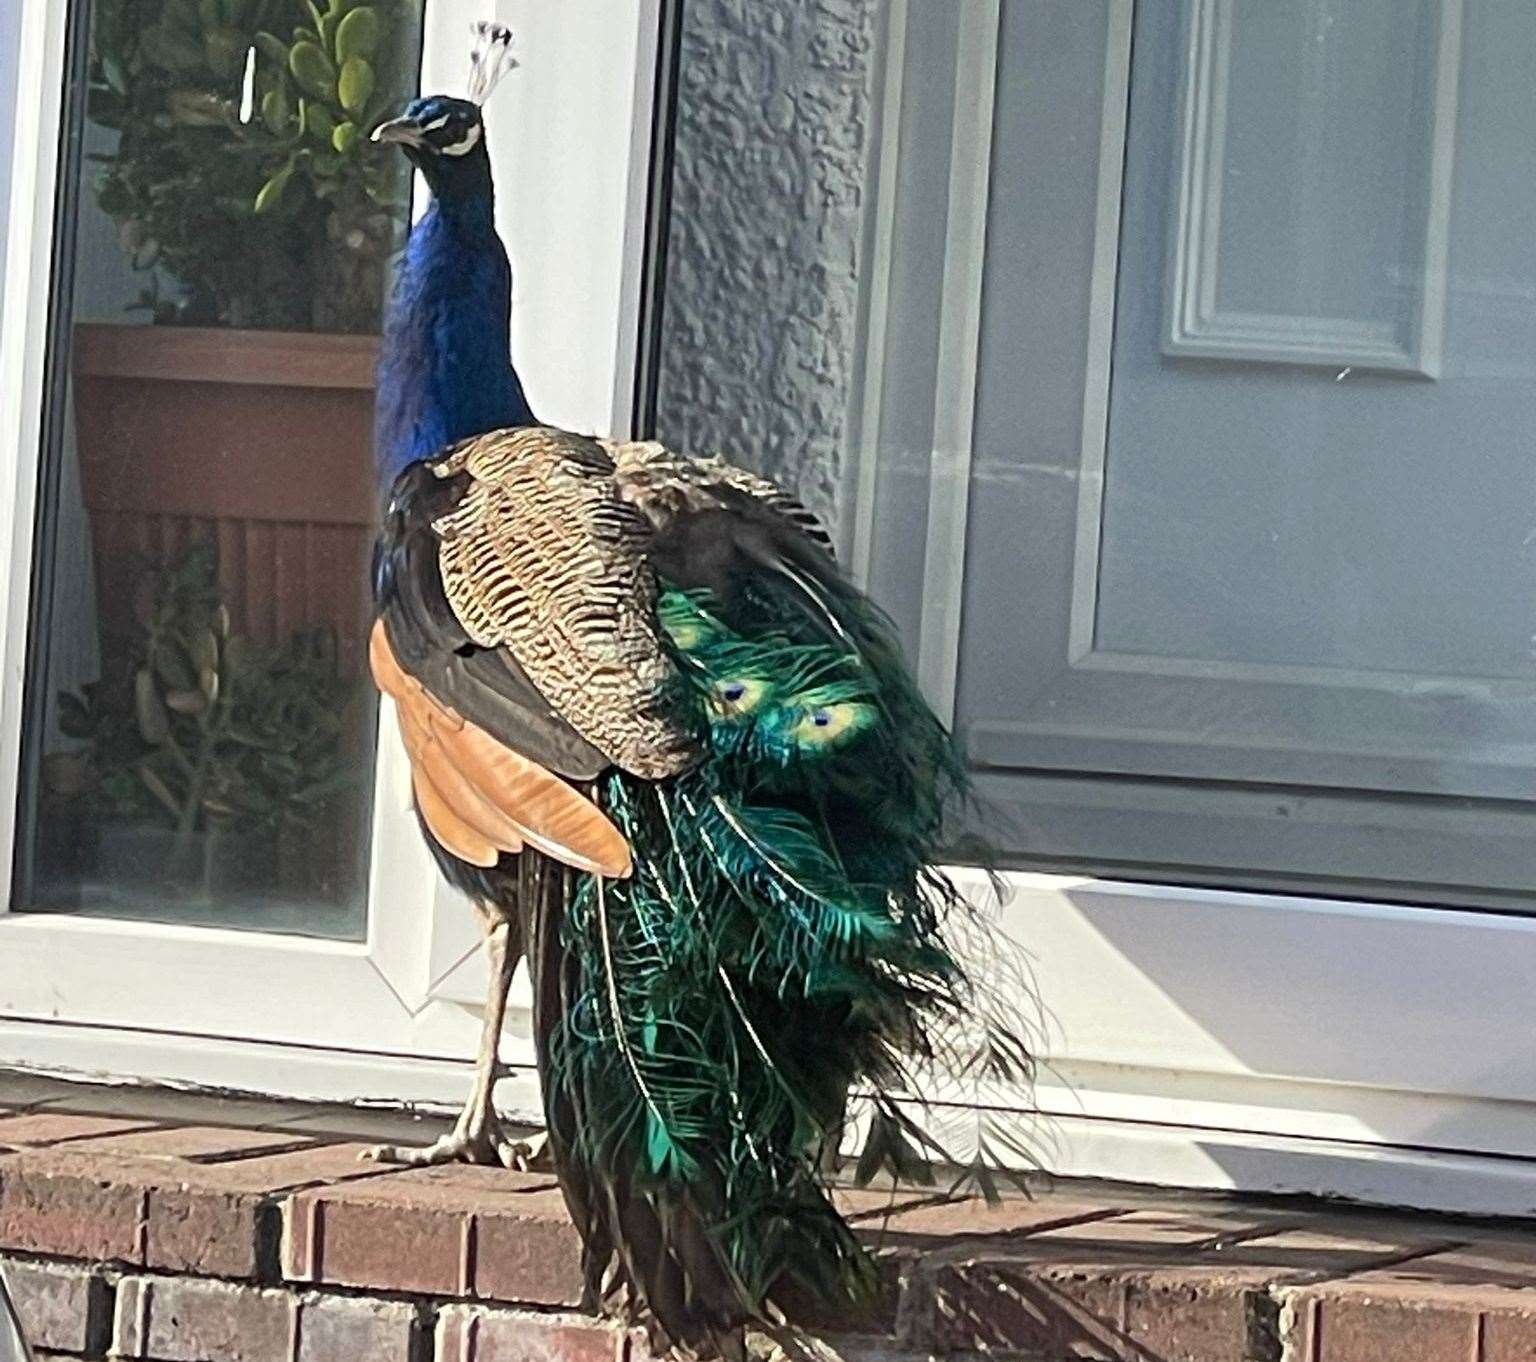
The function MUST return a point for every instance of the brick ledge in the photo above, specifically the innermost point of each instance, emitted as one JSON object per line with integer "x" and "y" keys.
{"x": 161, "y": 1229}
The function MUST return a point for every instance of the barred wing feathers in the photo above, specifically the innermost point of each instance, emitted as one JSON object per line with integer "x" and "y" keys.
{"x": 542, "y": 558}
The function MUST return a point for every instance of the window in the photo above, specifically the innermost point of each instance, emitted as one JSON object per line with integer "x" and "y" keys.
{"x": 346, "y": 970}
{"x": 199, "y": 727}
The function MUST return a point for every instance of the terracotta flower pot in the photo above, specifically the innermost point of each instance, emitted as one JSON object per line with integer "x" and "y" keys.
{"x": 260, "y": 440}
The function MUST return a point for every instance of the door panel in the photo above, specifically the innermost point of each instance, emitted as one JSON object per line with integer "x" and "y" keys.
{"x": 1281, "y": 607}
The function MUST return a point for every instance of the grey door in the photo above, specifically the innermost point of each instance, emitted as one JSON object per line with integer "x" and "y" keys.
{"x": 1248, "y": 572}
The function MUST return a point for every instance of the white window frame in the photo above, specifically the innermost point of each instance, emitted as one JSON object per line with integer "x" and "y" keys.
{"x": 1193, "y": 1037}
{"x": 390, "y": 1017}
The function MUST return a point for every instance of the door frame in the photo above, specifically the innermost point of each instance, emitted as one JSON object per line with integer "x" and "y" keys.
{"x": 1197, "y": 1037}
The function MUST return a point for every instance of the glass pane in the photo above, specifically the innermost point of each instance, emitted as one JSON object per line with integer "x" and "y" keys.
{"x": 201, "y": 728}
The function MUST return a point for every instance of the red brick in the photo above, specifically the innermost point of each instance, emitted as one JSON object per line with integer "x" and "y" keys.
{"x": 1191, "y": 1314}
{"x": 877, "y": 1317}
{"x": 1038, "y": 1299}
{"x": 168, "y": 1214}
{"x": 528, "y": 1250}
{"x": 61, "y": 1305}
{"x": 989, "y": 1307}
{"x": 447, "y": 1231}
{"x": 182, "y": 1319}
{"x": 78, "y": 1212}
{"x": 1509, "y": 1335}
{"x": 355, "y": 1329}
{"x": 209, "y": 1219}
{"x": 1349, "y": 1324}
{"x": 1435, "y": 1303}
{"x": 40, "y": 1128}
{"x": 467, "y": 1333}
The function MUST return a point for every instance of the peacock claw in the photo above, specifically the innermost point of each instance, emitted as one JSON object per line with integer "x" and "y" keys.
{"x": 480, "y": 1141}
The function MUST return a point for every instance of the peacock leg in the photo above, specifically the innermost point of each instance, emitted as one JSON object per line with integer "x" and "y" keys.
{"x": 478, "y": 1135}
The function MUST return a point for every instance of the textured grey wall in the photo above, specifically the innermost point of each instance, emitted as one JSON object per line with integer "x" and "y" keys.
{"x": 765, "y": 245}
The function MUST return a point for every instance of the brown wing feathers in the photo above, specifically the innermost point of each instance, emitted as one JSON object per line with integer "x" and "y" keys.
{"x": 480, "y": 798}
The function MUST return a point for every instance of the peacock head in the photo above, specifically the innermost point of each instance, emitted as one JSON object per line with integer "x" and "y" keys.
{"x": 443, "y": 136}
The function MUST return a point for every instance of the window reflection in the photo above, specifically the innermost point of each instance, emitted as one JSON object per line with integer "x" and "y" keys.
{"x": 202, "y": 731}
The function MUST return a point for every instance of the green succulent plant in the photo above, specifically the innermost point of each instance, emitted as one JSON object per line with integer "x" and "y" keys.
{"x": 242, "y": 178}
{"x": 195, "y": 727}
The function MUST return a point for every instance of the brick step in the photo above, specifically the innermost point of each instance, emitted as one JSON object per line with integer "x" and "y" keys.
{"x": 178, "y": 1232}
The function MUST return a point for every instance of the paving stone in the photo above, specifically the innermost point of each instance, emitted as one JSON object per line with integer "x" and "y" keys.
{"x": 63, "y": 1306}
{"x": 409, "y": 1128}
{"x": 356, "y": 1329}
{"x": 167, "y": 1107}
{"x": 467, "y": 1333}
{"x": 37, "y": 1129}
{"x": 184, "y": 1319}
{"x": 20, "y": 1091}
{"x": 1496, "y": 1264}
{"x": 1157, "y": 1231}
{"x": 1328, "y": 1249}
{"x": 195, "y": 1144}
{"x": 924, "y": 1223}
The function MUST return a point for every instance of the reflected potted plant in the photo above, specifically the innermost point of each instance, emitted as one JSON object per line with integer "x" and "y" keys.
{"x": 245, "y": 192}
{"x": 197, "y": 749}
{"x": 242, "y": 182}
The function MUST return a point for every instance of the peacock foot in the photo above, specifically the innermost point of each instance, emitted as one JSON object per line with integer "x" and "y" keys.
{"x": 477, "y": 1139}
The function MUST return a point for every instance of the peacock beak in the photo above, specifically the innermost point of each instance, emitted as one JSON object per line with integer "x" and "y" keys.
{"x": 405, "y": 131}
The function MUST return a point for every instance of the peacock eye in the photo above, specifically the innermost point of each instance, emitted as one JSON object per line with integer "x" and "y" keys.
{"x": 739, "y": 695}
{"x": 820, "y": 718}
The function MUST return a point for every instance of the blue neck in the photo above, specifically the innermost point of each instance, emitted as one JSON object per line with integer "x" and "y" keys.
{"x": 445, "y": 368}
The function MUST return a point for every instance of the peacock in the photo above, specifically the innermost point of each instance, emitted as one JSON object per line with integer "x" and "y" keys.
{"x": 677, "y": 761}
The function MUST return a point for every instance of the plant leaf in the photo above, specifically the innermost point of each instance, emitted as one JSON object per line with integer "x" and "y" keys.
{"x": 355, "y": 84}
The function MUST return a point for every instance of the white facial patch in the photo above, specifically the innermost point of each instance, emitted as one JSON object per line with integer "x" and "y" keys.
{"x": 467, "y": 144}
{"x": 435, "y": 124}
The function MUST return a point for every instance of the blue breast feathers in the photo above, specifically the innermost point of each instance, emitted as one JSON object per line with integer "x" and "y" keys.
{"x": 445, "y": 368}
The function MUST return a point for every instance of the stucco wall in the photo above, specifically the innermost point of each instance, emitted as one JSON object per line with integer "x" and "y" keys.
{"x": 758, "y": 329}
